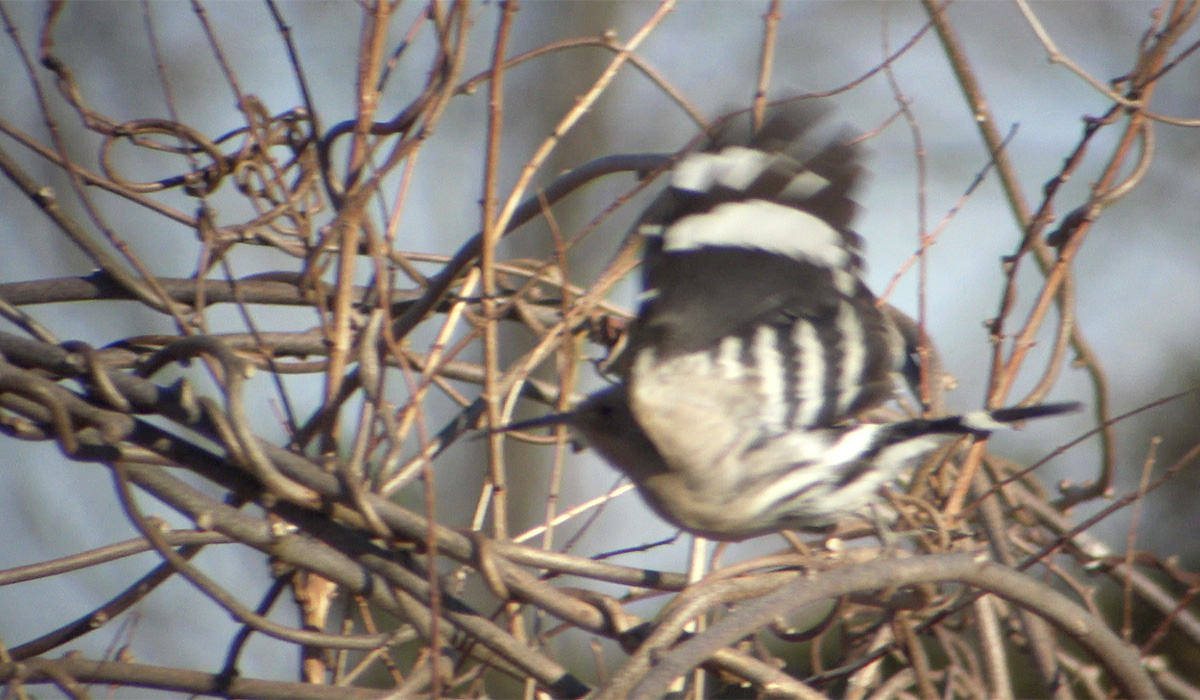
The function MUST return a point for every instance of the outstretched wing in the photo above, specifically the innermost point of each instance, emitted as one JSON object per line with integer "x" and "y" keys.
{"x": 751, "y": 264}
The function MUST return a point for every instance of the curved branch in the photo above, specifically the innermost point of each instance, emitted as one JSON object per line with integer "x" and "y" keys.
{"x": 1092, "y": 634}
{"x": 174, "y": 679}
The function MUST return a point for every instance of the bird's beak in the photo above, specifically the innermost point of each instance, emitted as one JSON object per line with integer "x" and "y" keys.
{"x": 548, "y": 421}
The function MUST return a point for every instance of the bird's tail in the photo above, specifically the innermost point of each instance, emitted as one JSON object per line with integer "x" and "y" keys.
{"x": 983, "y": 423}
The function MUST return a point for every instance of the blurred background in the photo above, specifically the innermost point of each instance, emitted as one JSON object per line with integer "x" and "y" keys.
{"x": 1136, "y": 277}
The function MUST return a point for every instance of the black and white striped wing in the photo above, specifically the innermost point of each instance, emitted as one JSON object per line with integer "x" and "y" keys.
{"x": 757, "y": 346}
{"x": 752, "y": 283}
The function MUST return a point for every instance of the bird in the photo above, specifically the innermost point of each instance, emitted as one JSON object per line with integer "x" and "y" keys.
{"x": 757, "y": 347}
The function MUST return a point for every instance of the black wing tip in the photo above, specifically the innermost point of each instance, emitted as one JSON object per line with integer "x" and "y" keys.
{"x": 786, "y": 125}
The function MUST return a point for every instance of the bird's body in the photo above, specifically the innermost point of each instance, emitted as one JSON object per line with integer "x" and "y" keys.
{"x": 758, "y": 346}
{"x": 711, "y": 492}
